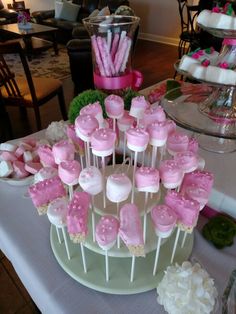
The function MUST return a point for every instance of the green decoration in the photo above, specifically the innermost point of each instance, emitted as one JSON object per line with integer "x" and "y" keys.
{"x": 83, "y": 99}
{"x": 128, "y": 95}
{"x": 173, "y": 90}
{"x": 220, "y": 230}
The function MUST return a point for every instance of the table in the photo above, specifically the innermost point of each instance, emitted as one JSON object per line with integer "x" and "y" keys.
{"x": 31, "y": 43}
{"x": 24, "y": 239}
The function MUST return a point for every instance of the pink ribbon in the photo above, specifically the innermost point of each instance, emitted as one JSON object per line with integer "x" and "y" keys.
{"x": 133, "y": 79}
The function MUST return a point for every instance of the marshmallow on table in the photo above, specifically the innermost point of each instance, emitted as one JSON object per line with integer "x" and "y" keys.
{"x": 6, "y": 169}
{"x": 94, "y": 110}
{"x": 8, "y": 147}
{"x": 19, "y": 171}
{"x": 62, "y": 151}
{"x": 45, "y": 173}
{"x": 137, "y": 139}
{"x": 114, "y": 105}
{"x": 85, "y": 125}
{"x": 33, "y": 167}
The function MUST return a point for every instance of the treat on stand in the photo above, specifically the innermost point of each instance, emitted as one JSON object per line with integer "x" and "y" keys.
{"x": 76, "y": 141}
{"x": 188, "y": 161}
{"x": 130, "y": 232}
{"x": 57, "y": 212}
{"x": 106, "y": 235}
{"x": 45, "y": 173}
{"x": 187, "y": 211}
{"x": 68, "y": 172}
{"x": 91, "y": 181}
{"x": 85, "y": 125}
{"x": 44, "y": 192}
{"x": 124, "y": 123}
{"x": 46, "y": 156}
{"x": 137, "y": 141}
{"x": 187, "y": 289}
{"x": 198, "y": 194}
{"x": 138, "y": 107}
{"x": 158, "y": 133}
{"x": 147, "y": 180}
{"x": 177, "y": 142}
{"x": 171, "y": 174}
{"x": 94, "y": 110}
{"x": 63, "y": 151}
{"x": 77, "y": 220}
{"x": 200, "y": 178}
{"x": 153, "y": 114}
{"x": 164, "y": 220}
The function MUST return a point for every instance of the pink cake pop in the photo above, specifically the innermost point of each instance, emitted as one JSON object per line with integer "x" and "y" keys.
{"x": 131, "y": 233}
{"x": 164, "y": 220}
{"x": 106, "y": 235}
{"x": 158, "y": 133}
{"x": 193, "y": 145}
{"x": 198, "y": 194}
{"x": 63, "y": 151}
{"x": 77, "y": 220}
{"x": 171, "y": 126}
{"x": 200, "y": 178}
{"x": 68, "y": 172}
{"x": 177, "y": 142}
{"x": 138, "y": 106}
{"x": 102, "y": 142}
{"x": 46, "y": 156}
{"x": 171, "y": 174}
{"x": 188, "y": 161}
{"x": 153, "y": 114}
{"x": 114, "y": 105}
{"x": 94, "y": 110}
{"x": 137, "y": 139}
{"x": 44, "y": 192}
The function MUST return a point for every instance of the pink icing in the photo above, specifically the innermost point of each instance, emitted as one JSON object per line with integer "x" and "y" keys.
{"x": 46, "y": 156}
{"x": 114, "y": 106}
{"x": 69, "y": 171}
{"x": 85, "y": 125}
{"x": 200, "y": 178}
{"x": 193, "y": 145}
{"x": 103, "y": 139}
{"x": 188, "y": 161}
{"x": 137, "y": 137}
{"x": 170, "y": 173}
{"x": 125, "y": 122}
{"x": 8, "y": 156}
{"x": 153, "y": 114}
{"x": 46, "y": 191}
{"x": 198, "y": 194}
{"x": 158, "y": 132}
{"x": 177, "y": 142}
{"x": 19, "y": 171}
{"x": 186, "y": 208}
{"x": 77, "y": 216}
{"x": 107, "y": 230}
{"x": 78, "y": 143}
{"x": 147, "y": 177}
{"x": 138, "y": 106}
{"x": 171, "y": 126}
{"x": 130, "y": 225}
{"x": 91, "y": 109}
{"x": 63, "y": 151}
{"x": 163, "y": 217}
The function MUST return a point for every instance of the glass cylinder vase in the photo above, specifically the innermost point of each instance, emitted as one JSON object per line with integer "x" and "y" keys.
{"x": 112, "y": 40}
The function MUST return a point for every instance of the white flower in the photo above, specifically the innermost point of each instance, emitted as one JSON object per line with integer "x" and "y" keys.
{"x": 56, "y": 131}
{"x": 187, "y": 289}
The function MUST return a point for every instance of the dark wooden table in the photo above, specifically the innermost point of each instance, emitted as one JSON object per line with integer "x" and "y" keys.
{"x": 31, "y": 37}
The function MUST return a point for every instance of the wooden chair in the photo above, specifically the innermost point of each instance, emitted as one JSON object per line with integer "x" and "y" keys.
{"x": 189, "y": 37}
{"x": 5, "y": 123}
{"x": 27, "y": 92}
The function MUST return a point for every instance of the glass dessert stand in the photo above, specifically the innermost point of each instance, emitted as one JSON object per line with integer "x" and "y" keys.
{"x": 119, "y": 258}
{"x": 208, "y": 109}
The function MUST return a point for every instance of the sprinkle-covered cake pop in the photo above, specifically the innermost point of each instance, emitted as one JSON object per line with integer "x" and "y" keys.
{"x": 69, "y": 171}
{"x": 147, "y": 179}
{"x": 106, "y": 231}
{"x": 103, "y": 142}
{"x": 177, "y": 142}
{"x": 94, "y": 110}
{"x": 137, "y": 139}
{"x": 85, "y": 125}
{"x": 171, "y": 174}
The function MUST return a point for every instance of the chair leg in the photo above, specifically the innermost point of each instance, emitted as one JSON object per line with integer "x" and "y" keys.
{"x": 62, "y": 104}
{"x": 37, "y": 117}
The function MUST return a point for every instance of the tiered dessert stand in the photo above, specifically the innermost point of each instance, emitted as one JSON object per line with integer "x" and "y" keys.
{"x": 214, "y": 115}
{"x": 119, "y": 258}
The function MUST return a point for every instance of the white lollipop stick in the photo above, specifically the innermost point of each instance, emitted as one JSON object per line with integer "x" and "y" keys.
{"x": 71, "y": 191}
{"x": 157, "y": 256}
{"x": 81, "y": 162}
{"x": 93, "y": 218}
{"x": 107, "y": 265}
{"x": 118, "y": 241}
{"x": 58, "y": 235}
{"x": 154, "y": 156}
{"x": 143, "y": 158}
{"x": 114, "y": 151}
{"x": 88, "y": 153}
{"x": 66, "y": 242}
{"x": 132, "y": 269}
{"x": 184, "y": 238}
{"x": 175, "y": 245}
{"x": 145, "y": 218}
{"x": 135, "y": 166}
{"x": 103, "y": 179}
{"x": 83, "y": 257}
{"x": 124, "y": 147}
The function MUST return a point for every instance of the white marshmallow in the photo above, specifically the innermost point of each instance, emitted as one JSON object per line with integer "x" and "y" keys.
{"x": 8, "y": 147}
{"x": 27, "y": 156}
{"x": 5, "y": 169}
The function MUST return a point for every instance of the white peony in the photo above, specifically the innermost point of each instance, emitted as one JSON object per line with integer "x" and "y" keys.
{"x": 187, "y": 289}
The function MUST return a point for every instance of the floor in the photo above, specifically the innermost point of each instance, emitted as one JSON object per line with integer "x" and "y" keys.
{"x": 155, "y": 61}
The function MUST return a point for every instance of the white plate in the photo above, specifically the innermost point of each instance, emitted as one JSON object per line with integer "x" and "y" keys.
{"x": 18, "y": 182}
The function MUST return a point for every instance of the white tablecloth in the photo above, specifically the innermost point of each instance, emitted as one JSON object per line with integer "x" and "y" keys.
{"x": 24, "y": 239}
